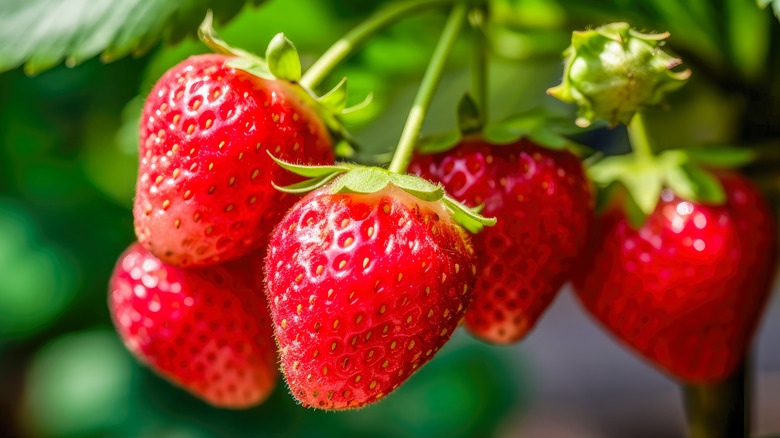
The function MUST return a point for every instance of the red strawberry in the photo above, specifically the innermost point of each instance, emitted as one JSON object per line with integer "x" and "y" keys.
{"x": 364, "y": 289}
{"x": 687, "y": 288}
{"x": 544, "y": 207}
{"x": 204, "y": 192}
{"x": 208, "y": 329}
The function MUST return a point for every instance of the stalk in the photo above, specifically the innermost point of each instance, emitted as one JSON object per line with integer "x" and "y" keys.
{"x": 637, "y": 135}
{"x": 479, "y": 63}
{"x": 357, "y": 36}
{"x": 422, "y": 101}
{"x": 720, "y": 410}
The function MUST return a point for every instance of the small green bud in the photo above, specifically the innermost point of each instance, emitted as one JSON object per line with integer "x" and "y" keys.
{"x": 614, "y": 71}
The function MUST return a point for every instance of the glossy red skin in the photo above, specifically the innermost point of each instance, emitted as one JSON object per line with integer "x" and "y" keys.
{"x": 199, "y": 200}
{"x": 686, "y": 290}
{"x": 207, "y": 330}
{"x": 351, "y": 333}
{"x": 544, "y": 207}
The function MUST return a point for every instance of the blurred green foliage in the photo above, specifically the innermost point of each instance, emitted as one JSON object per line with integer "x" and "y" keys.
{"x": 68, "y": 157}
{"x": 87, "y": 384}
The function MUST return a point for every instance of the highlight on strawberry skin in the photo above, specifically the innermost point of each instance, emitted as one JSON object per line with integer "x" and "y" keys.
{"x": 374, "y": 283}
{"x": 207, "y": 330}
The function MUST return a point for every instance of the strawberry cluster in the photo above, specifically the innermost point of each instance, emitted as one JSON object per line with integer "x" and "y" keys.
{"x": 354, "y": 287}
{"x": 188, "y": 298}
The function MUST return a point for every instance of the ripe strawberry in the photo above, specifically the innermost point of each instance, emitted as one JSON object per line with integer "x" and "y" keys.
{"x": 207, "y": 330}
{"x": 544, "y": 207}
{"x": 687, "y": 288}
{"x": 204, "y": 192}
{"x": 364, "y": 289}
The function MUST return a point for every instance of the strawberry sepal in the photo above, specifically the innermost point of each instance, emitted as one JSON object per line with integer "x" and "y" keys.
{"x": 367, "y": 180}
{"x": 681, "y": 170}
{"x": 539, "y": 126}
{"x": 282, "y": 62}
{"x": 470, "y": 119}
{"x": 282, "y": 59}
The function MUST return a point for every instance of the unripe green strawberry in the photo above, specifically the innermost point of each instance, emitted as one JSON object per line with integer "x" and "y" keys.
{"x": 613, "y": 71}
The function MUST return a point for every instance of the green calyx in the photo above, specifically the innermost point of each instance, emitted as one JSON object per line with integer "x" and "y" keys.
{"x": 539, "y": 126}
{"x": 243, "y": 60}
{"x": 282, "y": 58}
{"x": 680, "y": 170}
{"x": 353, "y": 178}
{"x": 614, "y": 71}
{"x": 282, "y": 62}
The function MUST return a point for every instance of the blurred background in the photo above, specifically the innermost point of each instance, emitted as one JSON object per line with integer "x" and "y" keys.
{"x": 68, "y": 159}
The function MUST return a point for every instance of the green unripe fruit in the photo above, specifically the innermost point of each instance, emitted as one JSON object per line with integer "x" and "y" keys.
{"x": 614, "y": 71}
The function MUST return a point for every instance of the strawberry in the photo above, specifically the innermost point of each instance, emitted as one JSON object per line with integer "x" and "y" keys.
{"x": 203, "y": 193}
{"x": 364, "y": 289}
{"x": 207, "y": 329}
{"x": 686, "y": 289}
{"x": 544, "y": 205}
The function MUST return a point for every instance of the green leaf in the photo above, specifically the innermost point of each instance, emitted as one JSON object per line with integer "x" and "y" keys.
{"x": 645, "y": 187}
{"x": 681, "y": 184}
{"x": 362, "y": 180}
{"x": 643, "y": 180}
{"x": 344, "y": 149}
{"x": 359, "y": 106}
{"x": 307, "y": 185}
{"x": 467, "y": 218}
{"x": 775, "y": 6}
{"x": 418, "y": 187}
{"x": 606, "y": 194}
{"x": 243, "y": 60}
{"x": 336, "y": 99}
{"x": 748, "y": 29}
{"x": 610, "y": 169}
{"x": 434, "y": 144}
{"x": 253, "y": 66}
{"x": 720, "y": 157}
{"x": 209, "y": 36}
{"x": 469, "y": 119}
{"x": 309, "y": 171}
{"x": 282, "y": 58}
{"x": 548, "y": 138}
{"x": 707, "y": 188}
{"x": 636, "y": 217}
{"x": 41, "y": 33}
{"x": 536, "y": 125}
{"x": 502, "y": 135}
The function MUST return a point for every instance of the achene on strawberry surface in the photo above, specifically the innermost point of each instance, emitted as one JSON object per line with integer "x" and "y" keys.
{"x": 685, "y": 290}
{"x": 203, "y": 191}
{"x": 544, "y": 207}
{"x": 364, "y": 289}
{"x": 206, "y": 329}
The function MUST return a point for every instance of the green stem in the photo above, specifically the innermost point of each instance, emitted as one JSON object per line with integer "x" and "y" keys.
{"x": 433, "y": 74}
{"x": 479, "y": 63}
{"x": 357, "y": 36}
{"x": 720, "y": 410}
{"x": 637, "y": 135}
